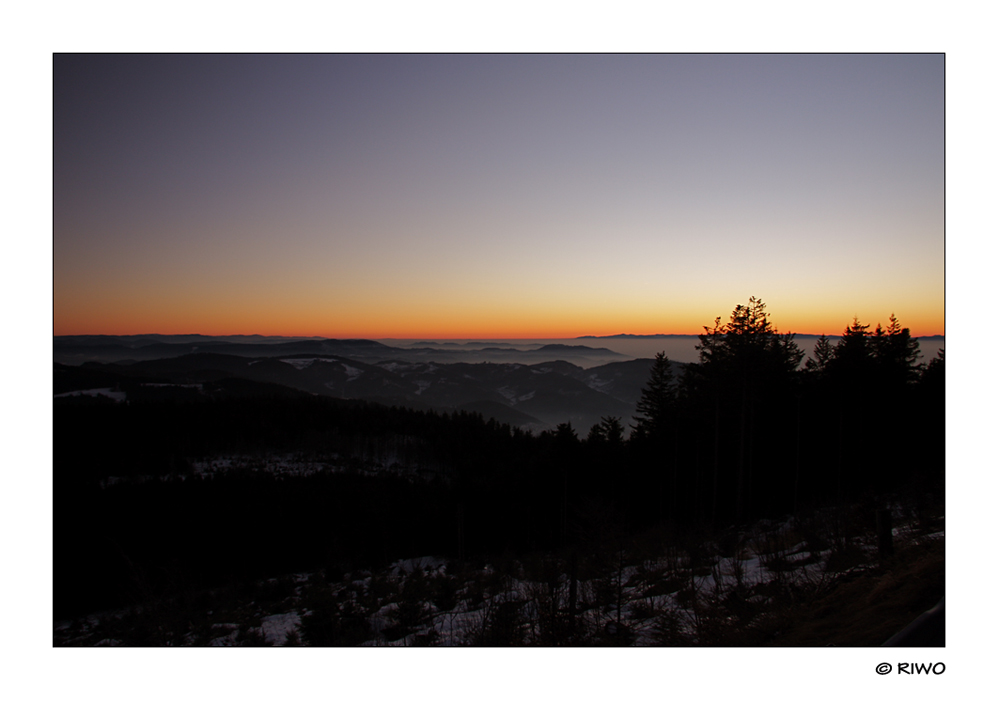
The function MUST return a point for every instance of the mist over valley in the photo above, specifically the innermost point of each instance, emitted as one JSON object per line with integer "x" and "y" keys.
{"x": 534, "y": 384}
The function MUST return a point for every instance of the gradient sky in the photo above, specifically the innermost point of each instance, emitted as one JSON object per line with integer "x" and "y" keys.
{"x": 495, "y": 196}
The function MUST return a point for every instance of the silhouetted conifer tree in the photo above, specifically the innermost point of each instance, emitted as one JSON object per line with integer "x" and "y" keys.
{"x": 612, "y": 430}
{"x": 658, "y": 401}
{"x": 748, "y": 366}
{"x": 748, "y": 343}
{"x": 852, "y": 355}
{"x": 821, "y": 355}
{"x": 895, "y": 352}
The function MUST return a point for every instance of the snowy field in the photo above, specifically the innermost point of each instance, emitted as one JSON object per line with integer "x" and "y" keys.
{"x": 660, "y": 594}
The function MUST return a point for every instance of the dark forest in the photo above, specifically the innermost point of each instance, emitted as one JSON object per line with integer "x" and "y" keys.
{"x": 752, "y": 431}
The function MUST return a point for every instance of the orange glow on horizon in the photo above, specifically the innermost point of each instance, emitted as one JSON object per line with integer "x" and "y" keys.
{"x": 462, "y": 311}
{"x": 460, "y": 329}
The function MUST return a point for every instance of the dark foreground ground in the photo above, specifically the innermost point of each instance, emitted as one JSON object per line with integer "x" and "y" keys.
{"x": 778, "y": 584}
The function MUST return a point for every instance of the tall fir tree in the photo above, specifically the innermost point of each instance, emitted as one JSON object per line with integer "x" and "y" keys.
{"x": 656, "y": 405}
{"x": 821, "y": 355}
{"x": 895, "y": 352}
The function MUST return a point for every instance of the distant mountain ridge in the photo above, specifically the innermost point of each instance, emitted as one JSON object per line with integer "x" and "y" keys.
{"x": 934, "y": 337}
{"x": 135, "y": 340}
{"x": 535, "y": 396}
{"x": 643, "y": 335}
{"x": 76, "y": 350}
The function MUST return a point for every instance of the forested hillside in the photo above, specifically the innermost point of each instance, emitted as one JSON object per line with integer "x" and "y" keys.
{"x": 180, "y": 489}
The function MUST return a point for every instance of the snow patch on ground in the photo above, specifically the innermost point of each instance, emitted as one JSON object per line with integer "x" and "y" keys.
{"x": 298, "y": 363}
{"x": 285, "y": 464}
{"x": 509, "y": 394}
{"x": 593, "y": 382}
{"x": 109, "y": 392}
{"x": 170, "y": 384}
{"x": 302, "y": 363}
{"x": 277, "y": 627}
{"x": 426, "y": 563}
{"x": 394, "y": 457}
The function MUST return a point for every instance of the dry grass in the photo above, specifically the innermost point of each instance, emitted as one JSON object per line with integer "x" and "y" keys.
{"x": 867, "y": 608}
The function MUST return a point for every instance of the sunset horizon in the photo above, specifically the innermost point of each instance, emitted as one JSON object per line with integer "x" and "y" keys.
{"x": 552, "y": 331}
{"x": 495, "y": 196}
{"x": 564, "y": 327}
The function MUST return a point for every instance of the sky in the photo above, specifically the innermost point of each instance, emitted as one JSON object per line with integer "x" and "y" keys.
{"x": 495, "y": 196}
